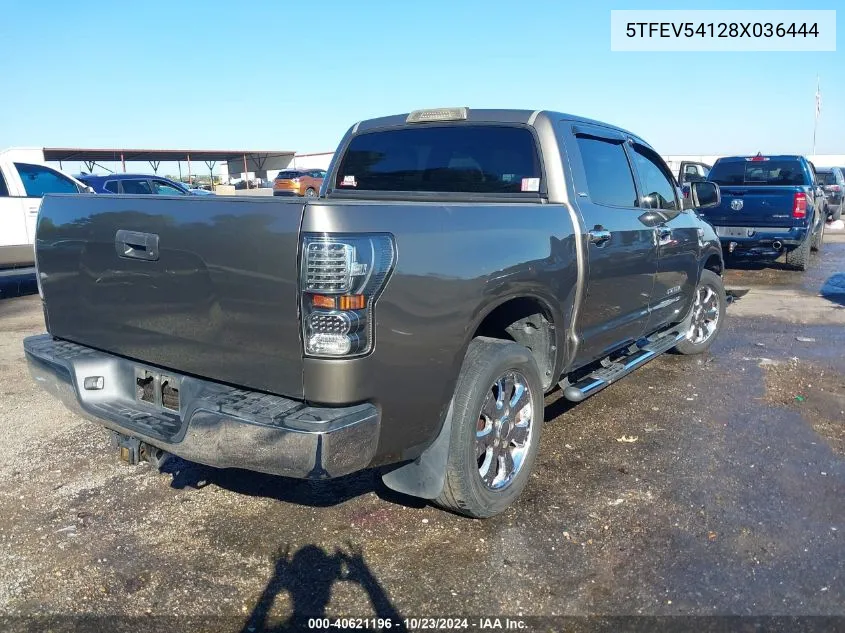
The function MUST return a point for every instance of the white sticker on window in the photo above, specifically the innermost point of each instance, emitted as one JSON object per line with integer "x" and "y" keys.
{"x": 508, "y": 177}
{"x": 530, "y": 184}
{"x": 349, "y": 181}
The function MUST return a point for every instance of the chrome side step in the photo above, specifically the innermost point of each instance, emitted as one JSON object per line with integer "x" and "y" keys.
{"x": 601, "y": 378}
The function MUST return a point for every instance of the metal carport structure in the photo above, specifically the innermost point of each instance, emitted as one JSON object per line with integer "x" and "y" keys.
{"x": 256, "y": 161}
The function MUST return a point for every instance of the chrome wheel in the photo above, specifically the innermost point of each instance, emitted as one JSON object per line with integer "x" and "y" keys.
{"x": 503, "y": 433}
{"x": 705, "y": 315}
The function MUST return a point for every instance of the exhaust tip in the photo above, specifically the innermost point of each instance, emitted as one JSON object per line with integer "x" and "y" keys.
{"x": 777, "y": 245}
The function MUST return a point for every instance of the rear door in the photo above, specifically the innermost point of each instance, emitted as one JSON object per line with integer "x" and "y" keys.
{"x": 621, "y": 249}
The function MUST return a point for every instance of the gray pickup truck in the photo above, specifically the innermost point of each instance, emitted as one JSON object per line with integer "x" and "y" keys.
{"x": 457, "y": 265}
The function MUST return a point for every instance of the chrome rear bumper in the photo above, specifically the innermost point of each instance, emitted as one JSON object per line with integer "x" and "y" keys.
{"x": 216, "y": 424}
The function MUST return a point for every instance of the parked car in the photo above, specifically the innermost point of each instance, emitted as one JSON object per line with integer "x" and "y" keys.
{"x": 832, "y": 180}
{"x": 298, "y": 182}
{"x": 136, "y": 184}
{"x": 461, "y": 264}
{"x": 22, "y": 185}
{"x": 771, "y": 208}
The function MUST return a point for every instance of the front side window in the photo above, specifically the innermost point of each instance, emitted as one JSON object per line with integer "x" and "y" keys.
{"x": 166, "y": 189}
{"x": 453, "y": 158}
{"x": 39, "y": 180}
{"x": 609, "y": 178}
{"x": 657, "y": 186}
{"x": 111, "y": 186}
{"x": 136, "y": 186}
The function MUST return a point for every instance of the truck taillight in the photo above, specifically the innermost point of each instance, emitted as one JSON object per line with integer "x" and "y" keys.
{"x": 799, "y": 205}
{"x": 834, "y": 187}
{"x": 341, "y": 279}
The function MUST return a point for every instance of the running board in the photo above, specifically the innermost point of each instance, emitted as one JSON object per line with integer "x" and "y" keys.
{"x": 601, "y": 378}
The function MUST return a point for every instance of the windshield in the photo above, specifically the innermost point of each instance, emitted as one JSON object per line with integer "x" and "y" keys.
{"x": 454, "y": 158}
{"x": 759, "y": 172}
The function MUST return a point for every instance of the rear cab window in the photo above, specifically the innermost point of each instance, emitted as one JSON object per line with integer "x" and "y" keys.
{"x": 826, "y": 177}
{"x": 456, "y": 158}
{"x": 749, "y": 172}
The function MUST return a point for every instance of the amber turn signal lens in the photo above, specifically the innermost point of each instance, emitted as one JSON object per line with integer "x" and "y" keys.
{"x": 353, "y": 302}
{"x": 322, "y": 301}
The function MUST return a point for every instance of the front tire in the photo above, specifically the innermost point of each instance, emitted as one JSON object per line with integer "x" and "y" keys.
{"x": 497, "y": 417}
{"x": 708, "y": 315}
{"x": 310, "y": 192}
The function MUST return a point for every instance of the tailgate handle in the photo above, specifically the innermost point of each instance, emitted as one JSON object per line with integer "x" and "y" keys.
{"x": 135, "y": 245}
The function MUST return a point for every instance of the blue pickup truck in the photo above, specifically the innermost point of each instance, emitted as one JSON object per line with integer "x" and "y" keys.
{"x": 772, "y": 207}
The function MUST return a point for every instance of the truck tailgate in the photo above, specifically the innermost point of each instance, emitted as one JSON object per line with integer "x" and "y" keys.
{"x": 216, "y": 297}
{"x": 754, "y": 206}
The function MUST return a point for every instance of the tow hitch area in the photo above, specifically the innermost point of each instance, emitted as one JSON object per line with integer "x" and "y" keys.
{"x": 129, "y": 448}
{"x": 133, "y": 450}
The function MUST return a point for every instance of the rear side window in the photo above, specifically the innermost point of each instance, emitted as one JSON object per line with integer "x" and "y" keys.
{"x": 111, "y": 186}
{"x": 609, "y": 178}
{"x": 39, "y": 180}
{"x": 758, "y": 172}
{"x": 455, "y": 159}
{"x": 4, "y": 190}
{"x": 136, "y": 186}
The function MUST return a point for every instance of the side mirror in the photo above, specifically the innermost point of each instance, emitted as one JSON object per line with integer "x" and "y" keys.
{"x": 704, "y": 194}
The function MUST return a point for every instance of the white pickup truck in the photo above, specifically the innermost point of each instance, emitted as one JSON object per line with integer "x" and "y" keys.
{"x": 22, "y": 185}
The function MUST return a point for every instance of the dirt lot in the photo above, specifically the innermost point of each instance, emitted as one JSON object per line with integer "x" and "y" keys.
{"x": 731, "y": 501}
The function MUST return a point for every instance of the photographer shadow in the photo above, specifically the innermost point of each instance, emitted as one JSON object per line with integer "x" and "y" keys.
{"x": 308, "y": 576}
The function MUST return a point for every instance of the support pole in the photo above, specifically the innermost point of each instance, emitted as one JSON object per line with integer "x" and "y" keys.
{"x": 246, "y": 173}
{"x": 123, "y": 162}
{"x": 179, "y": 165}
{"x": 189, "y": 168}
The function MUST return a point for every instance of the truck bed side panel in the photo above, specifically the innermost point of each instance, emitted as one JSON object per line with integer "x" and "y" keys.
{"x": 219, "y": 302}
{"x": 455, "y": 262}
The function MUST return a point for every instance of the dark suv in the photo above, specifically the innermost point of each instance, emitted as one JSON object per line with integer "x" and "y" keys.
{"x": 832, "y": 180}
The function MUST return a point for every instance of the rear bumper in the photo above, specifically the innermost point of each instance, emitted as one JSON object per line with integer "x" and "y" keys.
{"x": 285, "y": 192}
{"x": 216, "y": 424}
{"x": 762, "y": 239}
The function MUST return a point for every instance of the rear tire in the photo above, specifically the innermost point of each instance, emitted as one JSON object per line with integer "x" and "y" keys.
{"x": 708, "y": 315}
{"x": 499, "y": 389}
{"x": 838, "y": 213}
{"x": 799, "y": 258}
{"x": 818, "y": 238}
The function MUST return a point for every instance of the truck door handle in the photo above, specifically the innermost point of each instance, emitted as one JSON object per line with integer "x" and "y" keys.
{"x": 663, "y": 233}
{"x": 135, "y": 245}
{"x": 599, "y": 236}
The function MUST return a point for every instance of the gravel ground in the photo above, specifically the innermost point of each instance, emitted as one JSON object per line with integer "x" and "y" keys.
{"x": 731, "y": 501}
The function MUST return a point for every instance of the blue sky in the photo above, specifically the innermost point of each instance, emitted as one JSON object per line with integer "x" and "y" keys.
{"x": 295, "y": 75}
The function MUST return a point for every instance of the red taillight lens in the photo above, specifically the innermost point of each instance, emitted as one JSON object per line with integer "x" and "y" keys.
{"x": 834, "y": 188}
{"x": 799, "y": 205}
